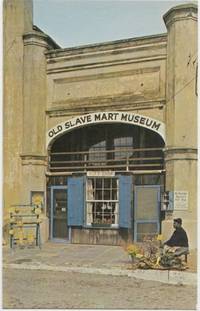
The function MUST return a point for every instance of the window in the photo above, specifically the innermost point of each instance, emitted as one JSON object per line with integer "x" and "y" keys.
{"x": 99, "y": 156}
{"x": 102, "y": 200}
{"x": 124, "y": 143}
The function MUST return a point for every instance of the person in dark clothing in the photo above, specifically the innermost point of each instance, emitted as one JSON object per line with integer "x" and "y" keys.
{"x": 178, "y": 243}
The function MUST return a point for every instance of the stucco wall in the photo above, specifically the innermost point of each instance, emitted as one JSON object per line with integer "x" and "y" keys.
{"x": 126, "y": 75}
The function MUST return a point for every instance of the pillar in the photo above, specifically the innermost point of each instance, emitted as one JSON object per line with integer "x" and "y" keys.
{"x": 181, "y": 116}
{"x": 17, "y": 19}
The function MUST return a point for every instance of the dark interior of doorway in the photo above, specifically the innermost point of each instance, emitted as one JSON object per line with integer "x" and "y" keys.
{"x": 107, "y": 146}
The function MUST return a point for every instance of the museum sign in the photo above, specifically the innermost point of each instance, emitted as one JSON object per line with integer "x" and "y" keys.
{"x": 106, "y": 117}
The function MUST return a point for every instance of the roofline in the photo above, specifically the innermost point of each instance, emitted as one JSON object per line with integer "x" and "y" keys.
{"x": 49, "y": 39}
{"x": 105, "y": 45}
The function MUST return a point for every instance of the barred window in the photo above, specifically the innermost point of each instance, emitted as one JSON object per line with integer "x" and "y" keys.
{"x": 102, "y": 200}
{"x": 125, "y": 143}
{"x": 99, "y": 155}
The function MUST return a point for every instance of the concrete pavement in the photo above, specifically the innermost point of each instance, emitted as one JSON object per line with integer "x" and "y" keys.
{"x": 96, "y": 259}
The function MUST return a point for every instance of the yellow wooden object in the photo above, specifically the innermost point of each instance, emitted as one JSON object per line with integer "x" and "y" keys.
{"x": 38, "y": 211}
{"x": 21, "y": 236}
{"x": 25, "y": 225}
{"x": 30, "y": 237}
{"x": 159, "y": 237}
{"x": 20, "y": 222}
{"x": 11, "y": 232}
{"x": 158, "y": 261}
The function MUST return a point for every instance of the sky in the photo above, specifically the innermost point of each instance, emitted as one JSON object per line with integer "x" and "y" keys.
{"x": 79, "y": 22}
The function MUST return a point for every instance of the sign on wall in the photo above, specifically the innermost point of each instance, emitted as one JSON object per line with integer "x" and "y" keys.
{"x": 37, "y": 198}
{"x": 180, "y": 200}
{"x": 106, "y": 117}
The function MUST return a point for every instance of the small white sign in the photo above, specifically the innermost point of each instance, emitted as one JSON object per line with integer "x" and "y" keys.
{"x": 100, "y": 173}
{"x": 180, "y": 200}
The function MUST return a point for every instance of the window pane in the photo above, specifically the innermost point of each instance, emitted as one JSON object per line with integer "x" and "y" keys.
{"x": 145, "y": 230}
{"x": 107, "y": 183}
{"x": 100, "y": 206}
{"x": 124, "y": 143}
{"x": 90, "y": 208}
{"x": 114, "y": 194}
{"x": 114, "y": 183}
{"x": 99, "y": 182}
{"x": 90, "y": 190}
{"x": 106, "y": 195}
{"x": 147, "y": 204}
{"x": 98, "y": 195}
{"x": 98, "y": 155}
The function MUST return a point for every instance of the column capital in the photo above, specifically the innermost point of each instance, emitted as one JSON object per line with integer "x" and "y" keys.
{"x": 180, "y": 12}
{"x": 39, "y": 38}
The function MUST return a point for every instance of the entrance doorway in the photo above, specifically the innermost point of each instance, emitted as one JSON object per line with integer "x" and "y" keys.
{"x": 146, "y": 212}
{"x": 99, "y": 164}
{"x": 59, "y": 224}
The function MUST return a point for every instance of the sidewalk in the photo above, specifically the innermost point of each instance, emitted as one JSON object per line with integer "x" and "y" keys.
{"x": 96, "y": 259}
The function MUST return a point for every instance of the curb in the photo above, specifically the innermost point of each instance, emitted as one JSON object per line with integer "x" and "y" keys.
{"x": 169, "y": 277}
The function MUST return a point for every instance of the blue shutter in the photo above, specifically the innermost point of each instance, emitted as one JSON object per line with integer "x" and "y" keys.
{"x": 75, "y": 201}
{"x": 125, "y": 200}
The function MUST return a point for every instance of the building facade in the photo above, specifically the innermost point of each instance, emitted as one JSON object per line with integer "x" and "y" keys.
{"x": 102, "y": 133}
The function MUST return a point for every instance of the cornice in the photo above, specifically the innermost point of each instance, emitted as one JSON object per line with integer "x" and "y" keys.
{"x": 113, "y": 51}
{"x": 108, "y": 46}
{"x": 89, "y": 105}
{"x": 52, "y": 43}
{"x": 103, "y": 64}
{"x": 39, "y": 38}
{"x": 181, "y": 12}
{"x": 107, "y": 75}
{"x": 35, "y": 38}
{"x": 176, "y": 19}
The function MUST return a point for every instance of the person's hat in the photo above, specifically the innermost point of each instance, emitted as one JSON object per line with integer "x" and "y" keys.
{"x": 178, "y": 220}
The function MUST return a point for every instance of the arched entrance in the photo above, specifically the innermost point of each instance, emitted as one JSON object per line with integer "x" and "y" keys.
{"x": 119, "y": 147}
{"x": 102, "y": 178}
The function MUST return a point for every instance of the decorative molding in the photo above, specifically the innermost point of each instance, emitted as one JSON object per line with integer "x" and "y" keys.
{"x": 39, "y": 38}
{"x": 111, "y": 52}
{"x": 52, "y": 43}
{"x": 180, "y": 13}
{"x": 108, "y": 75}
{"x": 136, "y": 98}
{"x": 111, "y": 47}
{"x": 88, "y": 105}
{"x": 104, "y": 64}
{"x": 174, "y": 154}
{"x": 178, "y": 19}
{"x": 34, "y": 159}
{"x": 35, "y": 38}
{"x": 180, "y": 150}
